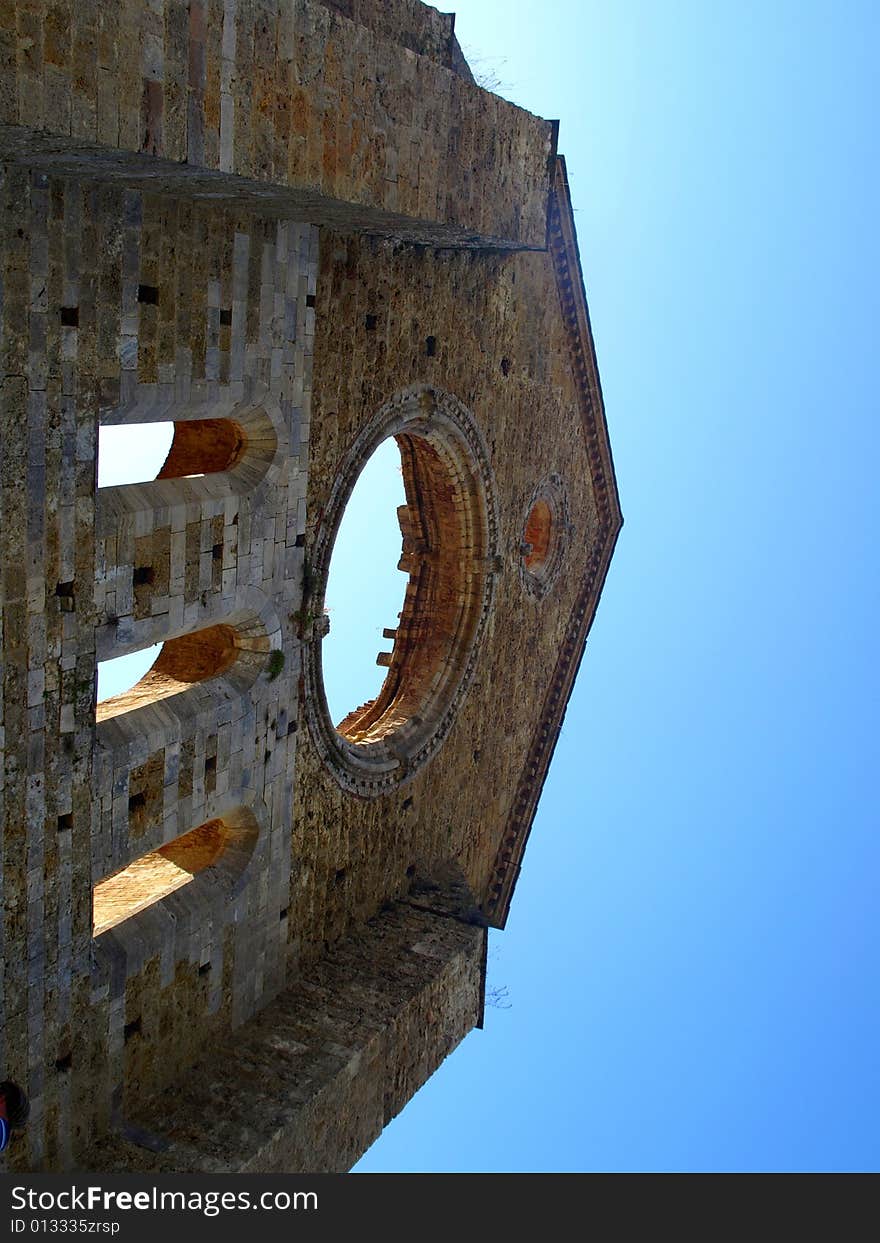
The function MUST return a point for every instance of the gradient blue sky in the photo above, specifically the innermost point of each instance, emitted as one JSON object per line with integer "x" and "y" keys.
{"x": 692, "y": 952}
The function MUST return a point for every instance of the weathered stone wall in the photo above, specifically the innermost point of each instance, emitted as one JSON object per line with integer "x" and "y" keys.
{"x": 172, "y": 977}
{"x": 409, "y": 23}
{"x": 500, "y": 345}
{"x": 309, "y": 1083}
{"x": 287, "y": 94}
{"x": 120, "y": 307}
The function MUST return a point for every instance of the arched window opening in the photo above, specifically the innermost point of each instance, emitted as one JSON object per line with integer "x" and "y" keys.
{"x": 190, "y": 448}
{"x": 180, "y": 662}
{"x": 132, "y": 452}
{"x": 161, "y": 872}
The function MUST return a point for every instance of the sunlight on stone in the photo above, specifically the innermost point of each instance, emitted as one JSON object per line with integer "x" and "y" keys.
{"x": 132, "y": 454}
{"x": 157, "y": 874}
{"x": 119, "y": 675}
{"x": 140, "y": 885}
{"x": 365, "y": 588}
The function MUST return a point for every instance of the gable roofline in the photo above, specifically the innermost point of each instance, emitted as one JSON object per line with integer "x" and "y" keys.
{"x": 563, "y": 247}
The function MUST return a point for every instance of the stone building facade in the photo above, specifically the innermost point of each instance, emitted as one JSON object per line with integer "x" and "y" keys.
{"x": 236, "y": 935}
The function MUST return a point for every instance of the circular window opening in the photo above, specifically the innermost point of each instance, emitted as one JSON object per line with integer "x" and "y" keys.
{"x": 538, "y": 529}
{"x": 447, "y": 541}
{"x": 365, "y": 586}
{"x": 546, "y": 530}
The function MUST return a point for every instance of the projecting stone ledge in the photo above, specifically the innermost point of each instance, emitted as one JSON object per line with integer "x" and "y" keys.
{"x": 308, "y": 1085}
{"x": 293, "y": 108}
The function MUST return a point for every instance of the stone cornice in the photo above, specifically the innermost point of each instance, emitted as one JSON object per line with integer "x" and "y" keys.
{"x": 562, "y": 244}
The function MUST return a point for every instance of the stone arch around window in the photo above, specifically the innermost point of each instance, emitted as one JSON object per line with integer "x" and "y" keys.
{"x": 233, "y": 652}
{"x": 450, "y": 551}
{"x": 142, "y": 908}
{"x": 256, "y": 643}
{"x": 227, "y": 440}
{"x": 205, "y": 447}
{"x": 217, "y": 851}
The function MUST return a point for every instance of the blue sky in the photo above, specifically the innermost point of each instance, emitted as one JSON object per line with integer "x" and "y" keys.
{"x": 692, "y": 952}
{"x": 691, "y": 957}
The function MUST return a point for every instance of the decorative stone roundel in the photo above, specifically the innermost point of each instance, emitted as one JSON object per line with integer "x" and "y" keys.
{"x": 546, "y": 529}
{"x": 449, "y": 528}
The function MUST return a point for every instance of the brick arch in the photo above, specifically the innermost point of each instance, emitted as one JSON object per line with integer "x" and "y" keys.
{"x": 194, "y": 880}
{"x": 141, "y": 733}
{"x": 227, "y": 440}
{"x": 440, "y": 547}
{"x": 204, "y": 446}
{"x": 158, "y": 873}
{"x": 235, "y": 651}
